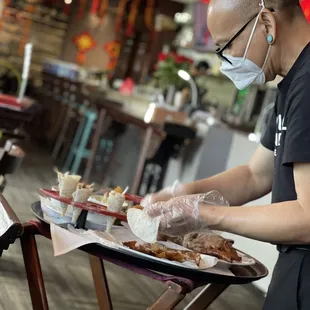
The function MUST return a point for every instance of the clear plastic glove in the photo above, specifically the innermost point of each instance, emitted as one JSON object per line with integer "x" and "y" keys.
{"x": 163, "y": 195}
{"x": 181, "y": 215}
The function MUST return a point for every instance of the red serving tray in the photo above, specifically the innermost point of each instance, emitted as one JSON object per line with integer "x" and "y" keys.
{"x": 89, "y": 206}
{"x": 134, "y": 198}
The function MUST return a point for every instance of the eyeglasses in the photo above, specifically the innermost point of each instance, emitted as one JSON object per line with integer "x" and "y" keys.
{"x": 220, "y": 50}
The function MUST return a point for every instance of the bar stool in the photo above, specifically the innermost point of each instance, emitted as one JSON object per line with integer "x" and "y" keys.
{"x": 79, "y": 150}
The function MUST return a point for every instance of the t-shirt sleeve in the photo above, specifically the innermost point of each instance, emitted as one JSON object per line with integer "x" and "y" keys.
{"x": 297, "y": 123}
{"x": 268, "y": 137}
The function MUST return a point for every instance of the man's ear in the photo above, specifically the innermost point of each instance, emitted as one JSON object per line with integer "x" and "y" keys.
{"x": 268, "y": 21}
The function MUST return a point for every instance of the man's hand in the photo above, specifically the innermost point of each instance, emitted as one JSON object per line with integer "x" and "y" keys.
{"x": 164, "y": 195}
{"x": 179, "y": 215}
{"x": 182, "y": 215}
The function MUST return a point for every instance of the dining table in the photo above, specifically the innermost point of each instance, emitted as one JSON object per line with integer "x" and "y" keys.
{"x": 179, "y": 281}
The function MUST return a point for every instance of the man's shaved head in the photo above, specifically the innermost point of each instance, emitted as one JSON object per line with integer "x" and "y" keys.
{"x": 250, "y": 7}
{"x": 278, "y": 31}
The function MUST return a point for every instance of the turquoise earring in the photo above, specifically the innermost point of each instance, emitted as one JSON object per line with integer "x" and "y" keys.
{"x": 270, "y": 39}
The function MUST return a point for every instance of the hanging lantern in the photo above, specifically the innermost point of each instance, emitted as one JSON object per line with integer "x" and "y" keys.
{"x": 94, "y": 20}
{"x": 103, "y": 9}
{"x": 113, "y": 49}
{"x": 149, "y": 15}
{"x": 94, "y": 7}
{"x": 120, "y": 15}
{"x": 305, "y": 4}
{"x": 134, "y": 9}
{"x": 82, "y": 9}
{"x": 84, "y": 42}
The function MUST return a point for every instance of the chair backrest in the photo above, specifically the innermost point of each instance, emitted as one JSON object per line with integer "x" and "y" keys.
{"x": 10, "y": 226}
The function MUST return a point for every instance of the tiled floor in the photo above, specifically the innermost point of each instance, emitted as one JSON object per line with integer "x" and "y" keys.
{"x": 68, "y": 279}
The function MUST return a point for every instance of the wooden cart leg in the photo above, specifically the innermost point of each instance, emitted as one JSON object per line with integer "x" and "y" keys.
{"x": 207, "y": 296}
{"x": 101, "y": 283}
{"x": 95, "y": 143}
{"x": 142, "y": 159}
{"x": 171, "y": 297}
{"x": 34, "y": 272}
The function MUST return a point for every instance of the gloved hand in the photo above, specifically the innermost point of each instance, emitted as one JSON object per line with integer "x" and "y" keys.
{"x": 163, "y": 195}
{"x": 181, "y": 215}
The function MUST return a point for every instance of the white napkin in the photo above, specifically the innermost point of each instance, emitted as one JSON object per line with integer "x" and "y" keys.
{"x": 65, "y": 241}
{"x": 5, "y": 222}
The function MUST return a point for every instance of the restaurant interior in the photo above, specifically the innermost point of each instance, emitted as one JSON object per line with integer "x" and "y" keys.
{"x": 124, "y": 95}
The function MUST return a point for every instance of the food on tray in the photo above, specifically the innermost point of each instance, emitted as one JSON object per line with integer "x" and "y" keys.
{"x": 103, "y": 199}
{"x": 137, "y": 207}
{"x": 82, "y": 193}
{"x": 209, "y": 244}
{"x": 161, "y": 251}
{"x": 67, "y": 186}
{"x": 115, "y": 204}
{"x": 118, "y": 189}
{"x": 142, "y": 225}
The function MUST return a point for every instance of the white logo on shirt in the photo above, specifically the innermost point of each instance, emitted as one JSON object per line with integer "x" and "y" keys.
{"x": 280, "y": 127}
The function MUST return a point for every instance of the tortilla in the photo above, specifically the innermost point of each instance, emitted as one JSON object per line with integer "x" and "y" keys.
{"x": 143, "y": 226}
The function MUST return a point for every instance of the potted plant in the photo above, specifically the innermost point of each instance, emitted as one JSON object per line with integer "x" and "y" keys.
{"x": 166, "y": 72}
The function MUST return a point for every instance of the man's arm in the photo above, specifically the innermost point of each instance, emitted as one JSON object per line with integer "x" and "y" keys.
{"x": 281, "y": 223}
{"x": 242, "y": 184}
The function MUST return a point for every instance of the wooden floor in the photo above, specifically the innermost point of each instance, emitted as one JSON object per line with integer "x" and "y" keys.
{"x": 68, "y": 278}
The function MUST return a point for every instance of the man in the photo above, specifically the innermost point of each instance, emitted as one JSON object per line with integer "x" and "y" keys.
{"x": 258, "y": 40}
{"x": 199, "y": 73}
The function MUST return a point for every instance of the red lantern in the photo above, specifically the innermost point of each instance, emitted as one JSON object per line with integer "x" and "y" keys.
{"x": 94, "y": 7}
{"x": 305, "y": 4}
{"x": 120, "y": 15}
{"x": 149, "y": 15}
{"x": 103, "y": 9}
{"x": 84, "y": 42}
{"x": 134, "y": 9}
{"x": 113, "y": 49}
{"x": 82, "y": 9}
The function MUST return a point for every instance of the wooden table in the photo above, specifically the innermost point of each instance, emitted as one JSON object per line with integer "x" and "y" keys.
{"x": 108, "y": 110}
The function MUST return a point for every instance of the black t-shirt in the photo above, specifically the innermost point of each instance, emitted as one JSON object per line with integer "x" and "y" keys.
{"x": 288, "y": 132}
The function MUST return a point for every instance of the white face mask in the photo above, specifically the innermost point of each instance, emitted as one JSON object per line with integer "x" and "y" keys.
{"x": 242, "y": 71}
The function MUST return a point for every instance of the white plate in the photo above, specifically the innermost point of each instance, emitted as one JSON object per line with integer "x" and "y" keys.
{"x": 206, "y": 262}
{"x": 246, "y": 261}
